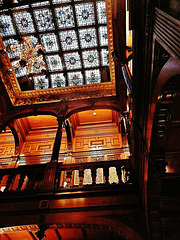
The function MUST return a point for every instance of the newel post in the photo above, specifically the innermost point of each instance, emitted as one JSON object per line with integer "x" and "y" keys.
{"x": 50, "y": 171}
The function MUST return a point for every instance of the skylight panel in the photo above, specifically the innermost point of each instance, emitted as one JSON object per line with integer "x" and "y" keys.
{"x": 41, "y": 82}
{"x": 60, "y": 1}
{"x": 85, "y": 14}
{"x": 88, "y": 38}
{"x": 43, "y": 19}
{"x": 54, "y": 63}
{"x": 58, "y": 80}
{"x": 92, "y": 76}
{"x": 75, "y": 78}
{"x": 72, "y": 61}
{"x": 69, "y": 40}
{"x": 104, "y": 57}
{"x": 19, "y": 71}
{"x": 39, "y": 4}
{"x": 24, "y": 22}
{"x": 49, "y": 42}
{"x": 64, "y": 17}
{"x": 90, "y": 59}
{"x": 103, "y": 36}
{"x": 9, "y": 44}
{"x": 101, "y": 12}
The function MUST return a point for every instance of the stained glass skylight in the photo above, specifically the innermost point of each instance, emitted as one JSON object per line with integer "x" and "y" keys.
{"x": 57, "y": 43}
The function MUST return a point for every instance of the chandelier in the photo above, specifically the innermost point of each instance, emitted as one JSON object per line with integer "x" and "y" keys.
{"x": 29, "y": 56}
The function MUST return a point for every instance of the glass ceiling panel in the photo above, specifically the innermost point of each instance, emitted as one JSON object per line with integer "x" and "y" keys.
{"x": 93, "y": 76}
{"x": 59, "y": 38}
{"x": 58, "y": 80}
{"x": 64, "y": 17}
{"x": 54, "y": 63}
{"x": 88, "y": 38}
{"x": 41, "y": 82}
{"x": 24, "y": 22}
{"x": 49, "y": 42}
{"x": 69, "y": 40}
{"x": 72, "y": 61}
{"x": 43, "y": 19}
{"x": 75, "y": 78}
{"x": 7, "y": 28}
{"x": 85, "y": 14}
{"x": 90, "y": 59}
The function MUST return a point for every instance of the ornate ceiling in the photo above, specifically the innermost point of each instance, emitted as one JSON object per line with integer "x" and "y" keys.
{"x": 57, "y": 50}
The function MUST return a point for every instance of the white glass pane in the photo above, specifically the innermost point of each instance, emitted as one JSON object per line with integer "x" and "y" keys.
{"x": 18, "y": 70}
{"x": 60, "y": 1}
{"x": 103, "y": 36}
{"x": 104, "y": 57}
{"x": 88, "y": 38}
{"x": 12, "y": 49}
{"x": 54, "y": 63}
{"x": 101, "y": 12}
{"x": 40, "y": 4}
{"x": 43, "y": 19}
{"x": 24, "y": 22}
{"x": 68, "y": 40}
{"x": 40, "y": 82}
{"x": 72, "y": 61}
{"x": 58, "y": 80}
{"x": 85, "y": 14}
{"x": 75, "y": 78}
{"x": 6, "y": 26}
{"x": 64, "y": 17}
{"x": 90, "y": 58}
{"x": 92, "y": 76}
{"x": 49, "y": 42}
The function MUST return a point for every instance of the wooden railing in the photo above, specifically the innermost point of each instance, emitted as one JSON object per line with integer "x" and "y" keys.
{"x": 56, "y": 177}
{"x": 93, "y": 174}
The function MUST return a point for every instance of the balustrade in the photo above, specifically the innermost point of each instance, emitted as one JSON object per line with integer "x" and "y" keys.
{"x": 68, "y": 176}
{"x": 93, "y": 174}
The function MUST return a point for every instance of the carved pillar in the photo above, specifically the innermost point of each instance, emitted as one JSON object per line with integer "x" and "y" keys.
{"x": 57, "y": 142}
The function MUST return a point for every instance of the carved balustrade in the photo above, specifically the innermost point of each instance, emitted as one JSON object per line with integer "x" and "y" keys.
{"x": 55, "y": 176}
{"x": 93, "y": 174}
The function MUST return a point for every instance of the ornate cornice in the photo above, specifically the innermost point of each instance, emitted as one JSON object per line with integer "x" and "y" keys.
{"x": 19, "y": 97}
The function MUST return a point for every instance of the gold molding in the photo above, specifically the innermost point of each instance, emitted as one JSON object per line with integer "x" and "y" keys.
{"x": 19, "y": 97}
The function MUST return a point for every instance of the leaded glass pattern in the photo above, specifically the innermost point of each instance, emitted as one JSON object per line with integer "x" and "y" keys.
{"x": 60, "y": 1}
{"x": 90, "y": 58}
{"x": 8, "y": 45}
{"x": 43, "y": 19}
{"x": 18, "y": 70}
{"x": 68, "y": 40}
{"x": 49, "y": 42}
{"x": 54, "y": 63}
{"x": 6, "y": 26}
{"x": 58, "y": 80}
{"x": 104, "y": 57}
{"x": 103, "y": 36}
{"x": 85, "y": 14}
{"x": 24, "y": 22}
{"x": 39, "y": 4}
{"x": 88, "y": 38}
{"x": 101, "y": 12}
{"x": 72, "y": 61}
{"x": 41, "y": 82}
{"x": 64, "y": 17}
{"x": 75, "y": 78}
{"x": 92, "y": 76}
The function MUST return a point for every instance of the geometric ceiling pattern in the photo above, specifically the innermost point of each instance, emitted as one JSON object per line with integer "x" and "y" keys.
{"x": 57, "y": 43}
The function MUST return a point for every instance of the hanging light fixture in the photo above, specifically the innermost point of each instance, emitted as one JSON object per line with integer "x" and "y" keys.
{"x": 30, "y": 55}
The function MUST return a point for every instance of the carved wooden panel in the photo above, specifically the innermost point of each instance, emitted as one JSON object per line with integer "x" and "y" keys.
{"x": 100, "y": 142}
{"x": 6, "y": 150}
